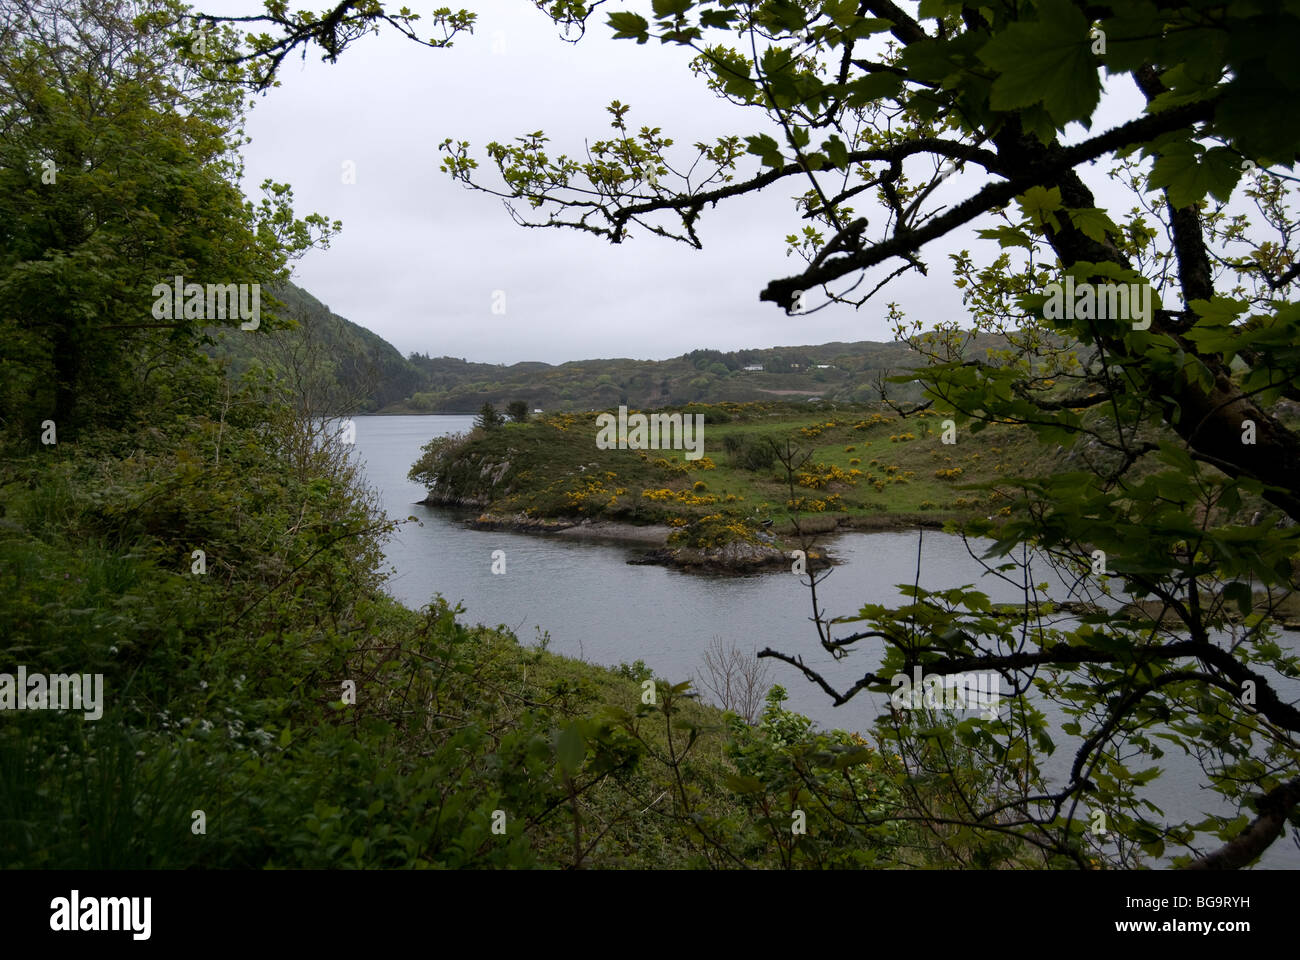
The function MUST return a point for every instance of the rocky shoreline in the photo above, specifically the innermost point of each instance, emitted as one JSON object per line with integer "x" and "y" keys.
{"x": 737, "y": 557}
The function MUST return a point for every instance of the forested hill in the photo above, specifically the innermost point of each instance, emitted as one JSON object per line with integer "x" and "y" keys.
{"x": 352, "y": 368}
{"x": 832, "y": 371}
{"x": 359, "y": 371}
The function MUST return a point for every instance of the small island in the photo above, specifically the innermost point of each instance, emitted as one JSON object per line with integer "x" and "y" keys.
{"x": 772, "y": 476}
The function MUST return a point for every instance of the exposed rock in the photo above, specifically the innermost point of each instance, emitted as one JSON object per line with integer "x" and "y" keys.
{"x": 735, "y": 557}
{"x": 494, "y": 471}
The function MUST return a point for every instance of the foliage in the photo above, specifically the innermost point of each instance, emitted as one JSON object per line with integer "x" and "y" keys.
{"x": 117, "y": 172}
{"x": 1173, "y": 414}
{"x": 550, "y": 469}
{"x": 434, "y": 457}
{"x": 352, "y": 370}
{"x": 209, "y": 547}
{"x": 488, "y": 418}
{"x": 871, "y": 103}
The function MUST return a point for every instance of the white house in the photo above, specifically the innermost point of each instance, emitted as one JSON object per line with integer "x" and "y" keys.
{"x": 753, "y": 366}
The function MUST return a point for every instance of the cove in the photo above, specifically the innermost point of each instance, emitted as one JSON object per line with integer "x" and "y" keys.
{"x": 597, "y": 607}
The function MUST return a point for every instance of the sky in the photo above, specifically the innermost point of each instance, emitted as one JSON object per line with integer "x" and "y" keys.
{"x": 421, "y": 258}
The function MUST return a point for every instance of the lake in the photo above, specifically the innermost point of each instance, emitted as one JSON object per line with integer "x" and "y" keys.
{"x": 597, "y": 607}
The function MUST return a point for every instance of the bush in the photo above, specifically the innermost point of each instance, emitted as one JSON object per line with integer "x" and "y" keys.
{"x": 434, "y": 458}
{"x": 752, "y": 453}
{"x": 638, "y": 672}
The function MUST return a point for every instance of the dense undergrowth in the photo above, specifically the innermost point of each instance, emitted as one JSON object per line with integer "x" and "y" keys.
{"x": 267, "y": 704}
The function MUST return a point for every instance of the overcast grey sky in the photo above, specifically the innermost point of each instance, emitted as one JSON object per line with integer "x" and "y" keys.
{"x": 420, "y": 256}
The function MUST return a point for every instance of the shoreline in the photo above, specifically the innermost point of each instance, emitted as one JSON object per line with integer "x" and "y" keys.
{"x": 739, "y": 558}
{"x": 734, "y": 558}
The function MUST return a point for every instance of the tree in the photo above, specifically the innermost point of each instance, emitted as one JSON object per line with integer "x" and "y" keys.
{"x": 739, "y": 681}
{"x": 488, "y": 418}
{"x": 119, "y": 170}
{"x": 1176, "y": 417}
{"x": 517, "y": 411}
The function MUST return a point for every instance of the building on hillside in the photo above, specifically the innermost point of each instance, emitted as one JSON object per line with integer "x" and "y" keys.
{"x": 754, "y": 366}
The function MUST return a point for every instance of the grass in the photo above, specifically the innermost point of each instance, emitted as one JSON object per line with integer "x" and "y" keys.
{"x": 863, "y": 467}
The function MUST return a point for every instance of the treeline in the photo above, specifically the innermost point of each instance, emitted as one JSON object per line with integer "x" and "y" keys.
{"x": 350, "y": 369}
{"x": 834, "y": 372}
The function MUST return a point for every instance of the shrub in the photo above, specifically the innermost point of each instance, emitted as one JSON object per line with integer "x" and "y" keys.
{"x": 754, "y": 453}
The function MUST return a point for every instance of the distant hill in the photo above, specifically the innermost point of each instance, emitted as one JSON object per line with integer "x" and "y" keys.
{"x": 831, "y": 371}
{"x": 348, "y": 369}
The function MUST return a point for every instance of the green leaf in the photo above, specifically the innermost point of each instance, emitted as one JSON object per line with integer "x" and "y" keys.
{"x": 841, "y": 12}
{"x": 1038, "y": 204}
{"x": 666, "y": 9}
{"x": 1093, "y": 223}
{"x": 1047, "y": 61}
{"x": 873, "y": 87}
{"x": 1188, "y": 176}
{"x": 1177, "y": 457}
{"x": 1218, "y": 311}
{"x": 1239, "y": 593}
{"x": 1008, "y": 237}
{"x": 859, "y": 28}
{"x": 836, "y": 151}
{"x": 936, "y": 9}
{"x": 570, "y": 748}
{"x": 721, "y": 19}
{"x": 764, "y": 147}
{"x": 630, "y": 26}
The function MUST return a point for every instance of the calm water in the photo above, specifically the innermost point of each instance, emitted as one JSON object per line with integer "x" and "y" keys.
{"x": 598, "y": 608}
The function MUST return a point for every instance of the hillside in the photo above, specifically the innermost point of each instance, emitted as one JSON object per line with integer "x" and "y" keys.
{"x": 349, "y": 368}
{"x": 844, "y": 372}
